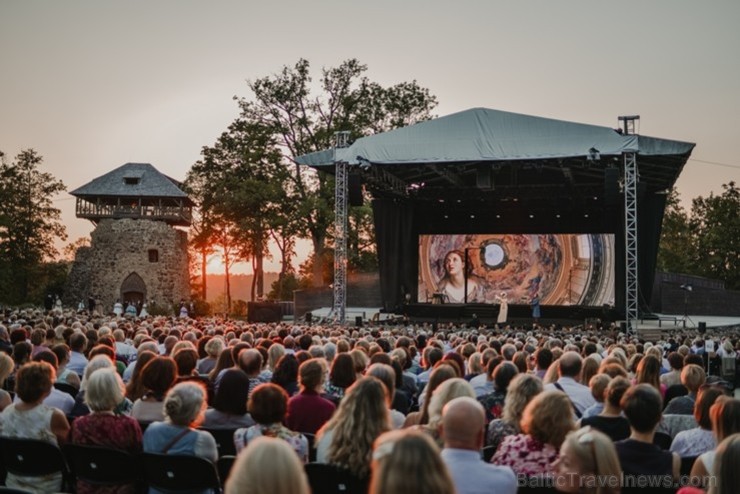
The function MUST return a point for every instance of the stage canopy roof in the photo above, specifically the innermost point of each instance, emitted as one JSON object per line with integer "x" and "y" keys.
{"x": 455, "y": 151}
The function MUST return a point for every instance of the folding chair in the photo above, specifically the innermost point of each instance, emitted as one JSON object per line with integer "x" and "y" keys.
{"x": 102, "y": 466}
{"x": 224, "y": 466}
{"x": 224, "y": 440}
{"x": 331, "y": 479}
{"x": 176, "y": 473}
{"x": 32, "y": 458}
{"x": 487, "y": 453}
{"x": 67, "y": 388}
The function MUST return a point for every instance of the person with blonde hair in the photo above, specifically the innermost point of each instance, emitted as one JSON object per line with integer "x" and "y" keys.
{"x": 588, "y": 463}
{"x": 347, "y": 439}
{"x": 547, "y": 419}
{"x": 447, "y": 391}
{"x": 692, "y": 377}
{"x": 267, "y": 466}
{"x": 6, "y": 368}
{"x": 398, "y": 454}
{"x": 725, "y": 417}
{"x": 521, "y": 390}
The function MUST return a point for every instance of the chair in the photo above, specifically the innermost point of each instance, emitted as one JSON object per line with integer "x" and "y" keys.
{"x": 224, "y": 465}
{"x": 311, "y": 446}
{"x": 32, "y": 458}
{"x": 662, "y": 440}
{"x": 728, "y": 369}
{"x": 176, "y": 473}
{"x": 687, "y": 463}
{"x": 98, "y": 465}
{"x": 67, "y": 388}
{"x": 331, "y": 479}
{"x": 487, "y": 453}
{"x": 224, "y": 440}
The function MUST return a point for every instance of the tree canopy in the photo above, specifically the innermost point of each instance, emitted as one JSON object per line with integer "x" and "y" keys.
{"x": 29, "y": 225}
{"x": 705, "y": 242}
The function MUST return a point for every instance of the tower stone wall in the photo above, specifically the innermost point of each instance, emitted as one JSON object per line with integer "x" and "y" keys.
{"x": 153, "y": 250}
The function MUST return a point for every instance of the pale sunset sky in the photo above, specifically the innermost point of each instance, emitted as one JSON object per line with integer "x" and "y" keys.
{"x": 93, "y": 84}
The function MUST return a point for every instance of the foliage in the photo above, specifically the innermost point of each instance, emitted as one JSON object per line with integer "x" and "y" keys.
{"x": 705, "y": 242}
{"x": 283, "y": 288}
{"x": 70, "y": 250}
{"x": 304, "y": 123}
{"x": 29, "y": 225}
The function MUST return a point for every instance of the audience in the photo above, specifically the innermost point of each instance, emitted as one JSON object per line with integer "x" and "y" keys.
{"x": 588, "y": 464}
{"x": 267, "y": 466}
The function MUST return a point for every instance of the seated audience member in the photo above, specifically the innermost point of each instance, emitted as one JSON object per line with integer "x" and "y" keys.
{"x": 267, "y": 466}
{"x": 308, "y": 411}
{"x": 692, "y": 377}
{"x": 97, "y": 363}
{"x": 648, "y": 372}
{"x": 229, "y": 409}
{"x": 638, "y": 455}
{"x": 726, "y": 478}
{"x": 569, "y": 370}
{"x": 158, "y": 376}
{"x": 547, "y": 419}
{"x": 6, "y": 367}
{"x": 341, "y": 377}
{"x": 398, "y": 453}
{"x": 463, "y": 421}
{"x": 521, "y": 390}
{"x": 448, "y": 390}
{"x": 610, "y": 421}
{"x": 725, "y": 416}
{"x": 673, "y": 377}
{"x": 699, "y": 440}
{"x": 346, "y": 440}
{"x": 268, "y": 405}
{"x": 385, "y": 374}
{"x": 440, "y": 374}
{"x": 77, "y": 359}
{"x": 134, "y": 388}
{"x": 184, "y": 407}
{"x": 493, "y": 403}
{"x": 30, "y": 418}
{"x": 285, "y": 373}
{"x": 64, "y": 374}
{"x": 588, "y": 464}
{"x": 213, "y": 349}
{"x": 102, "y": 427}
{"x": 597, "y": 384}
{"x": 57, "y": 399}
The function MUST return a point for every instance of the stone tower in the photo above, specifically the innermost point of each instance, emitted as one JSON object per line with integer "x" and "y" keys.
{"x": 136, "y": 254}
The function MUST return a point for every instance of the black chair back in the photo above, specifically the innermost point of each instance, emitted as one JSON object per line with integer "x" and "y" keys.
{"x": 487, "y": 453}
{"x": 224, "y": 440}
{"x": 311, "y": 446}
{"x": 31, "y": 457}
{"x": 102, "y": 466}
{"x": 176, "y": 473}
{"x": 687, "y": 463}
{"x": 224, "y": 465}
{"x": 67, "y": 388}
{"x": 331, "y": 479}
{"x": 662, "y": 440}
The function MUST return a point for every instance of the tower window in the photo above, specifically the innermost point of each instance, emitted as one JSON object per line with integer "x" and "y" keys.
{"x": 131, "y": 180}
{"x": 153, "y": 255}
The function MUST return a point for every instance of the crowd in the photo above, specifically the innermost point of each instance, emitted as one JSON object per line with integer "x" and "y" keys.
{"x": 400, "y": 408}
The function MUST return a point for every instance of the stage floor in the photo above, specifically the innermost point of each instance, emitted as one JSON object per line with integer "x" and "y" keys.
{"x": 676, "y": 321}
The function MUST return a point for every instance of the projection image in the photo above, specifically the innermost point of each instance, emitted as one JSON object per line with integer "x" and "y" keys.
{"x": 559, "y": 269}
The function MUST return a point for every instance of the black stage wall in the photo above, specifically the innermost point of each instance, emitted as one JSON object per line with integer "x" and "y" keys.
{"x": 399, "y": 222}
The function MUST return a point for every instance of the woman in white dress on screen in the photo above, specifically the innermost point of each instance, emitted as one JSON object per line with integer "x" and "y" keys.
{"x": 503, "y": 311}
{"x": 452, "y": 284}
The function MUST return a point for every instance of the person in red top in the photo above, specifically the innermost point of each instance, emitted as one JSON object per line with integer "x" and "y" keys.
{"x": 308, "y": 411}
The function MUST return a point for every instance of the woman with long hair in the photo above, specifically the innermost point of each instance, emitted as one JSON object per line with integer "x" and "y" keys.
{"x": 341, "y": 377}
{"x": 725, "y": 416}
{"x": 347, "y": 439}
{"x": 522, "y": 388}
{"x": 648, "y": 372}
{"x": 440, "y": 374}
{"x": 135, "y": 389}
{"x": 397, "y": 455}
{"x": 588, "y": 464}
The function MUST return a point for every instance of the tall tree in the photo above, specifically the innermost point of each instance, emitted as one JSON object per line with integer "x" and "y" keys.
{"x": 715, "y": 223}
{"x": 676, "y": 238}
{"x": 304, "y": 122}
{"x": 29, "y": 223}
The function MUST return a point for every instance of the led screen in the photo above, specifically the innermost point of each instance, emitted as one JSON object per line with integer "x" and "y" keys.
{"x": 561, "y": 269}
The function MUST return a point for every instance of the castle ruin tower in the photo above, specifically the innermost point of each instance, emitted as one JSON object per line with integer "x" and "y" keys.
{"x": 136, "y": 255}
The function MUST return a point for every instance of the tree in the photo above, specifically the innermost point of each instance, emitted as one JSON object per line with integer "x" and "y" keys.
{"x": 715, "y": 225}
{"x": 676, "y": 238}
{"x": 306, "y": 123}
{"x": 29, "y": 223}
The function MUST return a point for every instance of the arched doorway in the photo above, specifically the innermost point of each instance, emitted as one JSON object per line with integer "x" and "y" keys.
{"x": 133, "y": 290}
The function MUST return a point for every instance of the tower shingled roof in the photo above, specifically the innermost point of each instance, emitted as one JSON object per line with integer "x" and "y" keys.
{"x": 151, "y": 183}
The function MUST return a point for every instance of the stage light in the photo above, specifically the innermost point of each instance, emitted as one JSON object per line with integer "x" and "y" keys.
{"x": 531, "y": 216}
{"x": 557, "y": 215}
{"x": 447, "y": 217}
{"x": 472, "y": 216}
{"x": 498, "y": 216}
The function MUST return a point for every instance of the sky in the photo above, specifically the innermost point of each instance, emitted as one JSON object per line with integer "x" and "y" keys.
{"x": 94, "y": 84}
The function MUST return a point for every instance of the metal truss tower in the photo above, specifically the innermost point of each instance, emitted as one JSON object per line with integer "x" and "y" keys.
{"x": 631, "y": 177}
{"x": 339, "y": 307}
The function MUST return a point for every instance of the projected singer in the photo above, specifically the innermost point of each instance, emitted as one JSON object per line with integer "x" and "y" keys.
{"x": 452, "y": 284}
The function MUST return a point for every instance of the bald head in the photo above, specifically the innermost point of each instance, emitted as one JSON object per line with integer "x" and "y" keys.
{"x": 463, "y": 422}
{"x": 250, "y": 361}
{"x": 570, "y": 365}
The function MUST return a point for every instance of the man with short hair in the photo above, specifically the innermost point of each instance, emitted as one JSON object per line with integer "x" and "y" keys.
{"x": 462, "y": 430}
{"x": 77, "y": 360}
{"x": 250, "y": 361}
{"x": 569, "y": 370}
